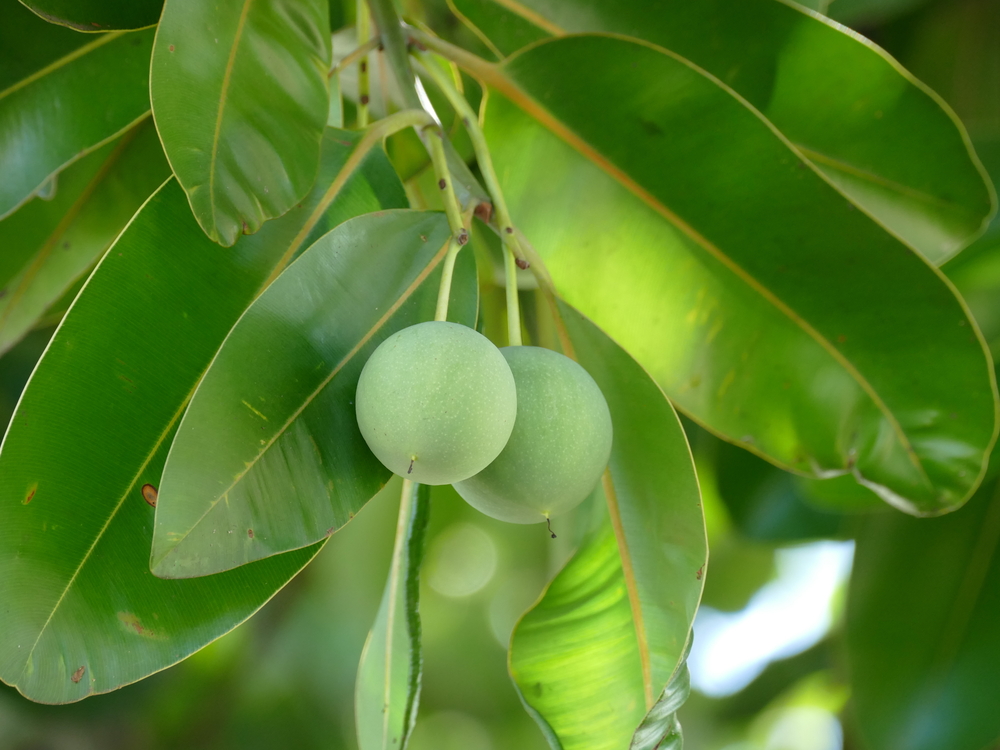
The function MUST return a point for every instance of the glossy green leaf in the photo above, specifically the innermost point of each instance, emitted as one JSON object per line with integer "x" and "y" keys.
{"x": 269, "y": 456}
{"x": 49, "y": 245}
{"x": 83, "y": 456}
{"x": 661, "y": 729}
{"x": 388, "y": 683}
{"x": 54, "y": 111}
{"x": 612, "y": 627}
{"x": 875, "y": 131}
{"x": 239, "y": 92}
{"x": 921, "y": 629}
{"x": 28, "y": 44}
{"x": 854, "y": 357}
{"x": 98, "y": 15}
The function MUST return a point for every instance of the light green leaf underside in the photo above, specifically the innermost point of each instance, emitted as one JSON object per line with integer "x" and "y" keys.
{"x": 874, "y": 130}
{"x": 610, "y": 631}
{"x": 854, "y": 357}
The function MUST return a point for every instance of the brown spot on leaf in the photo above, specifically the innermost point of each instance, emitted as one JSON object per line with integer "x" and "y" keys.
{"x": 522, "y": 264}
{"x": 700, "y": 573}
{"x": 442, "y": 183}
{"x": 841, "y": 339}
{"x": 31, "y": 493}
{"x": 250, "y": 533}
{"x": 78, "y": 675}
{"x": 329, "y": 531}
{"x": 364, "y": 99}
{"x": 149, "y": 494}
{"x": 171, "y": 48}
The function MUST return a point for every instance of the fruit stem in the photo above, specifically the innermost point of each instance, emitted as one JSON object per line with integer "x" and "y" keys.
{"x": 354, "y": 55}
{"x": 364, "y": 36}
{"x": 513, "y": 256}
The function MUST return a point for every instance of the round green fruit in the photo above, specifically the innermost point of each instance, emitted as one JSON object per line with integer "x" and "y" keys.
{"x": 560, "y": 445}
{"x": 436, "y": 402}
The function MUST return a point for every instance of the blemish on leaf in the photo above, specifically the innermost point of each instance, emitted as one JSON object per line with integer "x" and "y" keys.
{"x": 149, "y": 494}
{"x": 700, "y": 573}
{"x": 841, "y": 339}
{"x": 134, "y": 624}
{"x": 250, "y": 533}
{"x": 364, "y": 98}
{"x": 442, "y": 183}
{"x": 78, "y": 675}
{"x": 31, "y": 494}
{"x": 171, "y": 48}
{"x": 522, "y": 264}
{"x": 329, "y": 531}
{"x": 259, "y": 414}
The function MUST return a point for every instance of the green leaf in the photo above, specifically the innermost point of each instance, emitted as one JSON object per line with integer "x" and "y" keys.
{"x": 83, "y": 456}
{"x": 388, "y": 683}
{"x": 269, "y": 456}
{"x": 98, "y": 15}
{"x": 51, "y": 244}
{"x": 240, "y": 97}
{"x": 921, "y": 629}
{"x": 855, "y": 357}
{"x": 54, "y": 111}
{"x": 874, "y": 130}
{"x": 612, "y": 627}
{"x": 661, "y": 730}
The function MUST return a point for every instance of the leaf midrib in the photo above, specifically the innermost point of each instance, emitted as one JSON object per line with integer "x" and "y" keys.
{"x": 223, "y": 100}
{"x": 61, "y": 62}
{"x": 31, "y": 270}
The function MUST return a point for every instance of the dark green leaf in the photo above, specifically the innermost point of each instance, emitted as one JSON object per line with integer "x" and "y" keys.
{"x": 872, "y": 129}
{"x": 388, "y": 684}
{"x": 269, "y": 456}
{"x": 66, "y": 107}
{"x": 98, "y": 15}
{"x": 921, "y": 629}
{"x": 855, "y": 357}
{"x": 49, "y": 245}
{"x": 83, "y": 456}
{"x": 612, "y": 627}
{"x": 240, "y": 97}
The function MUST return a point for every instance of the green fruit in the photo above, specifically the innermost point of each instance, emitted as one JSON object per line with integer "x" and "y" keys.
{"x": 436, "y": 402}
{"x": 560, "y": 445}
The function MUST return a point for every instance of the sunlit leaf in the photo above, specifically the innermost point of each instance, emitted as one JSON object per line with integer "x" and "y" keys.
{"x": 239, "y": 91}
{"x": 854, "y": 357}
{"x": 874, "y": 130}
{"x": 612, "y": 627}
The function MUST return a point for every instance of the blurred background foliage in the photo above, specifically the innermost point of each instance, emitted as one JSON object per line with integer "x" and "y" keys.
{"x": 795, "y": 648}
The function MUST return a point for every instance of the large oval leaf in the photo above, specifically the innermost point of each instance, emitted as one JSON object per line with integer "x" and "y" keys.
{"x": 767, "y": 306}
{"x": 873, "y": 129}
{"x": 67, "y": 106}
{"x": 921, "y": 629}
{"x": 612, "y": 628}
{"x": 269, "y": 456}
{"x": 82, "y": 458}
{"x": 99, "y": 15}
{"x": 49, "y": 245}
{"x": 240, "y": 97}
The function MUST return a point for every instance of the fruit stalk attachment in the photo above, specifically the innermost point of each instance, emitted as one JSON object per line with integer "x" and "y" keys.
{"x": 513, "y": 255}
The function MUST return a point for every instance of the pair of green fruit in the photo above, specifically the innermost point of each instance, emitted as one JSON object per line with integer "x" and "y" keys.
{"x": 523, "y": 433}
